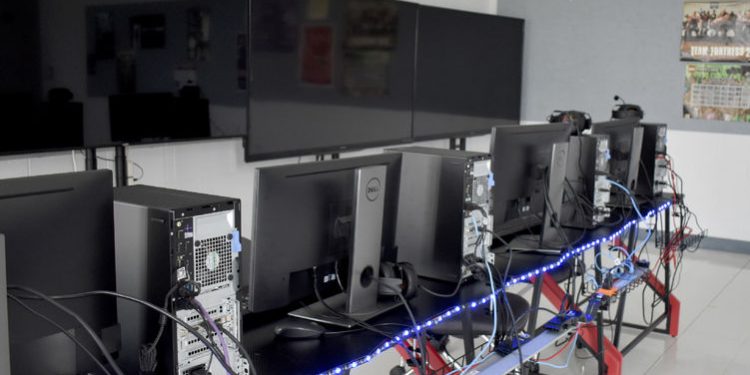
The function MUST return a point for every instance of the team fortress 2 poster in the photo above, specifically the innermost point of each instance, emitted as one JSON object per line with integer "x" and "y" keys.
{"x": 716, "y": 31}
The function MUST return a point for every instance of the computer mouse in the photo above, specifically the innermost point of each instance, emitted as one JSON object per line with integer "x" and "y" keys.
{"x": 299, "y": 330}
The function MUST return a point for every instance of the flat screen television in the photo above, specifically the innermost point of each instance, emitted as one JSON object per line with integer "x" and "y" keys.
{"x": 99, "y": 73}
{"x": 329, "y": 76}
{"x": 362, "y": 73}
{"x": 32, "y": 118}
{"x": 469, "y": 68}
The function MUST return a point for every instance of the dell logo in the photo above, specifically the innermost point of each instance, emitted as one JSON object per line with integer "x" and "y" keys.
{"x": 372, "y": 190}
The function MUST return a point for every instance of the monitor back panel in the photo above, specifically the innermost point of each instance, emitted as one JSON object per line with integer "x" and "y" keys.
{"x": 439, "y": 193}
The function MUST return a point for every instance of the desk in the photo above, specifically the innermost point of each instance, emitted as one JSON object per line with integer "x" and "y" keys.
{"x": 273, "y": 355}
{"x": 608, "y": 354}
{"x": 336, "y": 354}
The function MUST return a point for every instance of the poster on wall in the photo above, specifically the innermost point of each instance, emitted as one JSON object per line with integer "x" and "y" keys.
{"x": 719, "y": 92}
{"x": 716, "y": 31}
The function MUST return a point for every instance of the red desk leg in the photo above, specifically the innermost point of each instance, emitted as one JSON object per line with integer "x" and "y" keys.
{"x": 435, "y": 363}
{"x": 552, "y": 291}
{"x": 658, "y": 287}
{"x": 674, "y": 304}
{"x": 612, "y": 356}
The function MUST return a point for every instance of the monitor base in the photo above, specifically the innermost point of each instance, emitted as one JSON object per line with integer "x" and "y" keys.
{"x": 533, "y": 243}
{"x": 318, "y": 312}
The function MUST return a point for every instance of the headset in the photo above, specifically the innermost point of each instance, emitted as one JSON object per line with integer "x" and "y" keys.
{"x": 580, "y": 121}
{"x": 625, "y": 110}
{"x": 397, "y": 278}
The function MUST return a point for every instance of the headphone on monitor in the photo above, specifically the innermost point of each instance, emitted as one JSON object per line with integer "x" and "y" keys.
{"x": 579, "y": 121}
{"x": 626, "y": 110}
{"x": 397, "y": 278}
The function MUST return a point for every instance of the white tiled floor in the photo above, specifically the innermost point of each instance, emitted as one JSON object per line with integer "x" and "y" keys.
{"x": 714, "y": 325}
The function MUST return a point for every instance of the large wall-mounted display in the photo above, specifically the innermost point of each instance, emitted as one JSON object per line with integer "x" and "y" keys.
{"x": 328, "y": 76}
{"x": 168, "y": 70}
{"x": 30, "y": 118}
{"x": 91, "y": 73}
{"x": 469, "y": 68}
{"x": 293, "y": 77}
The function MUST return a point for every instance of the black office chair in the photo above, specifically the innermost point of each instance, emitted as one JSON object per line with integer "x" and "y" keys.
{"x": 522, "y": 262}
{"x": 482, "y": 319}
{"x": 481, "y": 325}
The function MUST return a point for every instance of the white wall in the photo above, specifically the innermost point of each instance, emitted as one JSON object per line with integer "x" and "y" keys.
{"x": 214, "y": 167}
{"x": 579, "y": 53}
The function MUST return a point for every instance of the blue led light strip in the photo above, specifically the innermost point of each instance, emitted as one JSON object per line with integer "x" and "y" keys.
{"x": 409, "y": 333}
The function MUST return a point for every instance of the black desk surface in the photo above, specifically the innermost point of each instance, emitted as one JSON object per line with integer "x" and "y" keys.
{"x": 272, "y": 355}
{"x": 524, "y": 261}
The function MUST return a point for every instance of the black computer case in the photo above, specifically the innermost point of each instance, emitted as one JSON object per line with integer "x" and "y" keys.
{"x": 162, "y": 237}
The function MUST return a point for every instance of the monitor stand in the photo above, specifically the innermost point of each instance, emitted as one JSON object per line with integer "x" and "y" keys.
{"x": 550, "y": 241}
{"x": 361, "y": 299}
{"x": 550, "y": 237}
{"x": 531, "y": 243}
{"x": 635, "y": 159}
{"x": 619, "y": 199}
{"x": 581, "y": 180}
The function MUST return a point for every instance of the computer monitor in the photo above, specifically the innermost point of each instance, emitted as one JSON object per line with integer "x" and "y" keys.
{"x": 59, "y": 239}
{"x": 625, "y": 138}
{"x": 323, "y": 216}
{"x": 587, "y": 188}
{"x": 528, "y": 164}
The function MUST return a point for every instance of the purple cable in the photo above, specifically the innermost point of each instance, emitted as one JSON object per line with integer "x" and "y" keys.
{"x": 211, "y": 322}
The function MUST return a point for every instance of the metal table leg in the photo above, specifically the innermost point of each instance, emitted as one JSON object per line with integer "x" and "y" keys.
{"x": 468, "y": 335}
{"x": 535, "y": 301}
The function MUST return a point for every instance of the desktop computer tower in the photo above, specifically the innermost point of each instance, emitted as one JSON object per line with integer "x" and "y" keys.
{"x": 440, "y": 196}
{"x": 164, "y": 237}
{"x": 652, "y": 175}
